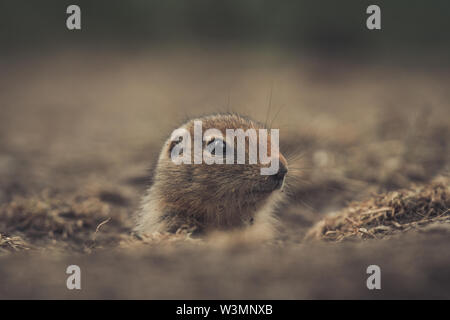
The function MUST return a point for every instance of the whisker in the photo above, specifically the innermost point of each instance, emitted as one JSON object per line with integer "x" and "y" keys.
{"x": 270, "y": 105}
{"x": 276, "y": 114}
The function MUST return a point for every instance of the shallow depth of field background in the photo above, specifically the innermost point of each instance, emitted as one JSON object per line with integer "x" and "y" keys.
{"x": 83, "y": 115}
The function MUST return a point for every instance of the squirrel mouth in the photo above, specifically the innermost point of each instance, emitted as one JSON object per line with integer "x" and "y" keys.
{"x": 272, "y": 186}
{"x": 279, "y": 185}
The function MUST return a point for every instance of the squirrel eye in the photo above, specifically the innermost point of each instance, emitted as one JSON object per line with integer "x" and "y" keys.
{"x": 216, "y": 144}
{"x": 173, "y": 143}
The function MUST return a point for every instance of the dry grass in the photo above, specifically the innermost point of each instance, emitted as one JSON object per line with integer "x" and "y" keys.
{"x": 12, "y": 244}
{"x": 73, "y": 223}
{"x": 387, "y": 214}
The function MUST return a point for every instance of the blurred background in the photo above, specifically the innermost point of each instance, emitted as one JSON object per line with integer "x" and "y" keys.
{"x": 325, "y": 27}
{"x": 84, "y": 113}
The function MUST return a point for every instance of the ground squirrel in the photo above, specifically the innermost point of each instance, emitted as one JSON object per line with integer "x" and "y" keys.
{"x": 200, "y": 198}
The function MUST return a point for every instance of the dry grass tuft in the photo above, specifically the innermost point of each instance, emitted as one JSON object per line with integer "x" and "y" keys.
{"x": 387, "y": 214}
{"x": 77, "y": 222}
{"x": 12, "y": 244}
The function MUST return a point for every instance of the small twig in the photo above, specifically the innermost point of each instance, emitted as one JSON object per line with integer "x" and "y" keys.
{"x": 102, "y": 223}
{"x": 94, "y": 236}
{"x": 377, "y": 211}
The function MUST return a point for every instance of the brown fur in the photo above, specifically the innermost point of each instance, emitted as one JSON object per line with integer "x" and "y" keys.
{"x": 200, "y": 197}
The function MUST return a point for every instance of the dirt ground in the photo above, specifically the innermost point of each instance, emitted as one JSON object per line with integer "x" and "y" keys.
{"x": 79, "y": 132}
